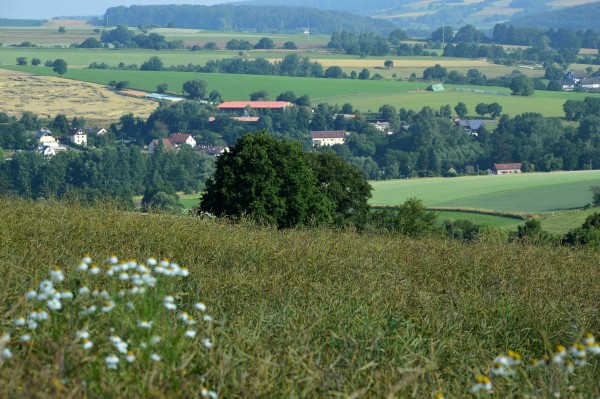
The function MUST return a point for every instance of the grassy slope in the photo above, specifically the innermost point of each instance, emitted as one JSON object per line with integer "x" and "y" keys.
{"x": 315, "y": 313}
{"x": 364, "y": 95}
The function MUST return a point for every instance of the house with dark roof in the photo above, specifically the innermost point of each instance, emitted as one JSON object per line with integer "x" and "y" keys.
{"x": 507, "y": 168}
{"x": 78, "y": 136}
{"x": 327, "y": 137}
{"x": 590, "y": 83}
{"x": 472, "y": 126}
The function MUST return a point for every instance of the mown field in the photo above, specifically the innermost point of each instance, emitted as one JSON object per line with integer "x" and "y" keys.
{"x": 296, "y": 313}
{"x": 366, "y": 95}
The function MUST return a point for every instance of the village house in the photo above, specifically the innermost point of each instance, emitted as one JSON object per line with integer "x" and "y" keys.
{"x": 382, "y": 127}
{"x": 507, "y": 168}
{"x": 240, "y": 106}
{"x": 212, "y": 150}
{"x": 472, "y": 126}
{"x": 177, "y": 139}
{"x": 78, "y": 137}
{"x": 154, "y": 144}
{"x": 327, "y": 137}
{"x": 45, "y": 138}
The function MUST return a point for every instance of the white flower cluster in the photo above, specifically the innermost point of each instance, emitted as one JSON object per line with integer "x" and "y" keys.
{"x": 563, "y": 359}
{"x": 139, "y": 277}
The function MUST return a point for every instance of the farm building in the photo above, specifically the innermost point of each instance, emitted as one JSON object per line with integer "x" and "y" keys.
{"x": 507, "y": 168}
{"x": 472, "y": 126}
{"x": 327, "y": 137}
{"x": 233, "y": 106}
{"x": 436, "y": 87}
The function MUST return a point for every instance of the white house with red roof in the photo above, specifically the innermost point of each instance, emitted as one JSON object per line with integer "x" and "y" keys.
{"x": 327, "y": 137}
{"x": 178, "y": 139}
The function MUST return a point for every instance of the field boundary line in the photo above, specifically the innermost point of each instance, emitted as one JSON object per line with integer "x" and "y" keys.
{"x": 481, "y": 211}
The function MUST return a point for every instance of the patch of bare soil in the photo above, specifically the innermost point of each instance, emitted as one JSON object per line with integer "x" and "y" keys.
{"x": 48, "y": 96}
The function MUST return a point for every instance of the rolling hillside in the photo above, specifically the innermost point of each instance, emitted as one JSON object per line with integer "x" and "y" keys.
{"x": 433, "y": 13}
{"x": 578, "y": 17}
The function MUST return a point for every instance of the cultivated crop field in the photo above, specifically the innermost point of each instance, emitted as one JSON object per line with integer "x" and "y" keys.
{"x": 294, "y": 313}
{"x": 527, "y": 192}
{"x": 366, "y": 95}
{"x": 48, "y": 96}
{"x": 555, "y": 196}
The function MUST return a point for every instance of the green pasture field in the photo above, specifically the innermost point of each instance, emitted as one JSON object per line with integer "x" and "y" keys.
{"x": 481, "y": 219}
{"x": 4, "y": 23}
{"x": 46, "y": 35}
{"x": 366, "y": 95}
{"x": 527, "y": 192}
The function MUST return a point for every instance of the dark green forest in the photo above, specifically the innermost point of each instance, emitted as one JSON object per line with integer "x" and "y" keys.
{"x": 245, "y": 18}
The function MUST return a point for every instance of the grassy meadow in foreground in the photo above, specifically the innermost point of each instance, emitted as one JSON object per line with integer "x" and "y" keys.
{"x": 299, "y": 313}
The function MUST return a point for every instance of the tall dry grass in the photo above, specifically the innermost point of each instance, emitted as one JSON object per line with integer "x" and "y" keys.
{"x": 315, "y": 313}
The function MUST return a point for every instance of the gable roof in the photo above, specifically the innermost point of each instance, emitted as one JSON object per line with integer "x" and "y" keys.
{"x": 508, "y": 166}
{"x": 75, "y": 131}
{"x": 254, "y": 104}
{"x": 179, "y": 138}
{"x": 166, "y": 143}
{"x": 472, "y": 124}
{"x": 328, "y": 134}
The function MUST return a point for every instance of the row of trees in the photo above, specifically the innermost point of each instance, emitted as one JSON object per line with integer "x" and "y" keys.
{"x": 114, "y": 170}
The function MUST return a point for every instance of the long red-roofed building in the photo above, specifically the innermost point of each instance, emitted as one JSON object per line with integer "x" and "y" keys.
{"x": 229, "y": 106}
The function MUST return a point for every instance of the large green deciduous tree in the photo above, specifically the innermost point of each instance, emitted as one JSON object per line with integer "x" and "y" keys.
{"x": 522, "y": 86}
{"x": 196, "y": 89}
{"x": 268, "y": 180}
{"x": 275, "y": 181}
{"x": 60, "y": 66}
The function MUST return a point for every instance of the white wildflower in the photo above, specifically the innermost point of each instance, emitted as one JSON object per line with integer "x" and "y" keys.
{"x": 145, "y": 324}
{"x": 56, "y": 274}
{"x": 54, "y": 304}
{"x": 123, "y": 276}
{"x": 83, "y": 290}
{"x": 206, "y": 342}
{"x": 130, "y": 357}
{"x": 200, "y": 306}
{"x": 108, "y": 306}
{"x": 113, "y": 259}
{"x": 87, "y": 344}
{"x": 82, "y": 266}
{"x": 94, "y": 270}
{"x": 482, "y": 383}
{"x": 87, "y": 258}
{"x": 19, "y": 321}
{"x": 155, "y": 357}
{"x": 112, "y": 362}
{"x": 66, "y": 295}
{"x": 190, "y": 333}
{"x": 82, "y": 335}
{"x": 25, "y": 338}
{"x": 207, "y": 318}
{"x": 6, "y": 354}
{"x": 31, "y": 294}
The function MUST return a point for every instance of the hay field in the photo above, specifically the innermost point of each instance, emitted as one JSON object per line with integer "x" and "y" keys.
{"x": 48, "y": 96}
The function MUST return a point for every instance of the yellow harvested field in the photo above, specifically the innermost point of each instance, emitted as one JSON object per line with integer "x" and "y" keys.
{"x": 366, "y": 63}
{"x": 569, "y": 3}
{"x": 67, "y": 22}
{"x": 487, "y": 11}
{"x": 48, "y": 96}
{"x": 406, "y": 15}
{"x": 588, "y": 51}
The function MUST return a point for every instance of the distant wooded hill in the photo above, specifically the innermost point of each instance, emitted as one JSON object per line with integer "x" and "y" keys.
{"x": 577, "y": 18}
{"x": 428, "y": 15}
{"x": 227, "y": 17}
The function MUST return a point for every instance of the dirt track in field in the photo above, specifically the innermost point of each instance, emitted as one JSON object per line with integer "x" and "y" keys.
{"x": 48, "y": 96}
